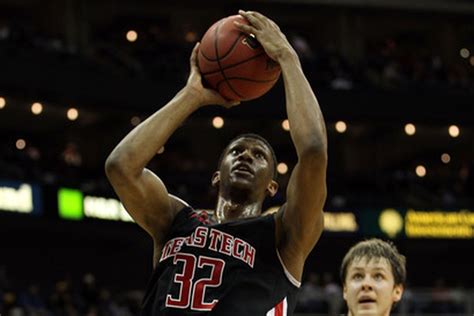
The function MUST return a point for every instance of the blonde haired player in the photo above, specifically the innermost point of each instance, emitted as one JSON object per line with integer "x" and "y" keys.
{"x": 373, "y": 274}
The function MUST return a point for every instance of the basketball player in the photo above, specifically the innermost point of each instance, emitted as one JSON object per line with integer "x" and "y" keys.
{"x": 373, "y": 274}
{"x": 236, "y": 262}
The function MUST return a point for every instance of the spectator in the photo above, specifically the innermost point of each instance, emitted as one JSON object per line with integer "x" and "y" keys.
{"x": 311, "y": 296}
{"x": 333, "y": 294}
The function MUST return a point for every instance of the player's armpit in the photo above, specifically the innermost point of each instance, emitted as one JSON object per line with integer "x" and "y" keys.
{"x": 145, "y": 198}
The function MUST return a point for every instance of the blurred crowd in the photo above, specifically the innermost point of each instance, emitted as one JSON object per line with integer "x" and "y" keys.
{"x": 388, "y": 63}
{"x": 67, "y": 298}
{"x": 319, "y": 295}
{"x": 187, "y": 175}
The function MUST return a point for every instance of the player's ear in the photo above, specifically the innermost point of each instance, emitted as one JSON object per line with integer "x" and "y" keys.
{"x": 272, "y": 188}
{"x": 216, "y": 178}
{"x": 397, "y": 293}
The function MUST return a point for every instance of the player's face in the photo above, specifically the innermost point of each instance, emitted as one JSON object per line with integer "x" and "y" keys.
{"x": 369, "y": 288}
{"x": 248, "y": 163}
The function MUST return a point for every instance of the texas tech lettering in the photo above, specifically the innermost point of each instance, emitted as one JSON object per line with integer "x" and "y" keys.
{"x": 214, "y": 240}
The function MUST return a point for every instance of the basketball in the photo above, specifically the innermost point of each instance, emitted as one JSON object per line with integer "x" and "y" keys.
{"x": 234, "y": 63}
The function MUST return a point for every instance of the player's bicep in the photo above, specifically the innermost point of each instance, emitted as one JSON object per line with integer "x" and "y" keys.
{"x": 146, "y": 199}
{"x": 306, "y": 195}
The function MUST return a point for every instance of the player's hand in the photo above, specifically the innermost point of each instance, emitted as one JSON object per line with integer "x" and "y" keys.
{"x": 268, "y": 34}
{"x": 195, "y": 87}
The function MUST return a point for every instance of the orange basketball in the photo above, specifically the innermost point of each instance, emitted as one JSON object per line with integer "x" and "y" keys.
{"x": 234, "y": 63}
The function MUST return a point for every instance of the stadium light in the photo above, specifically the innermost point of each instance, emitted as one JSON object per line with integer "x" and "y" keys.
{"x": 20, "y": 144}
{"x": 132, "y": 36}
{"x": 341, "y": 126}
{"x": 453, "y": 131}
{"x": 72, "y": 114}
{"x": 218, "y": 122}
{"x": 135, "y": 120}
{"x": 410, "y": 129}
{"x": 285, "y": 125}
{"x": 445, "y": 158}
{"x": 420, "y": 171}
{"x": 190, "y": 37}
{"x": 36, "y": 108}
{"x": 282, "y": 168}
{"x": 464, "y": 52}
{"x": 3, "y": 102}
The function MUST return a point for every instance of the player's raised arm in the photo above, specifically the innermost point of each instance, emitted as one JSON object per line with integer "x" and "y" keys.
{"x": 144, "y": 195}
{"x": 301, "y": 222}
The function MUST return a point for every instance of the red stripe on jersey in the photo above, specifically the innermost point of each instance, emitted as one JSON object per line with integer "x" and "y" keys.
{"x": 279, "y": 309}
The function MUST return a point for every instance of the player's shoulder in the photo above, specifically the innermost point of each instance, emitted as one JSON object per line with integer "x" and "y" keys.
{"x": 185, "y": 212}
{"x": 177, "y": 203}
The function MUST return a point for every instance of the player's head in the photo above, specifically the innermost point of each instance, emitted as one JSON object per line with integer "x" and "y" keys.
{"x": 373, "y": 274}
{"x": 248, "y": 163}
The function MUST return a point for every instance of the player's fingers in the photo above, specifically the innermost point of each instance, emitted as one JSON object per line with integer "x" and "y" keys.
{"x": 254, "y": 19}
{"x": 220, "y": 100}
{"x": 258, "y": 16}
{"x": 275, "y": 25}
{"x": 193, "y": 58}
{"x": 230, "y": 104}
{"x": 246, "y": 28}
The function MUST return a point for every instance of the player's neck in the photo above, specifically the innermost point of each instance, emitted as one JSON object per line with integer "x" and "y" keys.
{"x": 227, "y": 210}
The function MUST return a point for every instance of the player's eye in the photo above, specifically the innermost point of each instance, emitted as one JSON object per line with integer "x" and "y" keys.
{"x": 357, "y": 276}
{"x": 379, "y": 276}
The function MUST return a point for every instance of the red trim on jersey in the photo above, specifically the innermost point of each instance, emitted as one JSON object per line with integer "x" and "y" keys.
{"x": 201, "y": 216}
{"x": 279, "y": 309}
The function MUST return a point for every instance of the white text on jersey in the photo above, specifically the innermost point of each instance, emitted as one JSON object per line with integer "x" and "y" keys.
{"x": 215, "y": 240}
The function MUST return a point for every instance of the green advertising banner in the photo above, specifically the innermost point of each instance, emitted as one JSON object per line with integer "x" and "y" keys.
{"x": 70, "y": 204}
{"x": 74, "y": 205}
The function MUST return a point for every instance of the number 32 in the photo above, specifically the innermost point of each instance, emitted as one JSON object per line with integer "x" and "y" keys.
{"x": 193, "y": 292}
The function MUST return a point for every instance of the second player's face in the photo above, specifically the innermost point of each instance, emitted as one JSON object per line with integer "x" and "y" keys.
{"x": 369, "y": 288}
{"x": 248, "y": 163}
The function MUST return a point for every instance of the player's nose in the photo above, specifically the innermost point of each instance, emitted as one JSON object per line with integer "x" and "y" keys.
{"x": 367, "y": 283}
{"x": 245, "y": 155}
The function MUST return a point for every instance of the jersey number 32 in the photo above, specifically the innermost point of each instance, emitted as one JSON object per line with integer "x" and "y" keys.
{"x": 192, "y": 292}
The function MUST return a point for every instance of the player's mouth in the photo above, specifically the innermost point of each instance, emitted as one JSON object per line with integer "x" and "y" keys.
{"x": 242, "y": 168}
{"x": 366, "y": 300}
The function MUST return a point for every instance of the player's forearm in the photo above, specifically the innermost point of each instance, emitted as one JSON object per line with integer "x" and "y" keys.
{"x": 134, "y": 152}
{"x": 307, "y": 127}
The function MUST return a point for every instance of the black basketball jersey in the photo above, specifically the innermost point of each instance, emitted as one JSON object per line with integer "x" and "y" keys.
{"x": 231, "y": 268}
